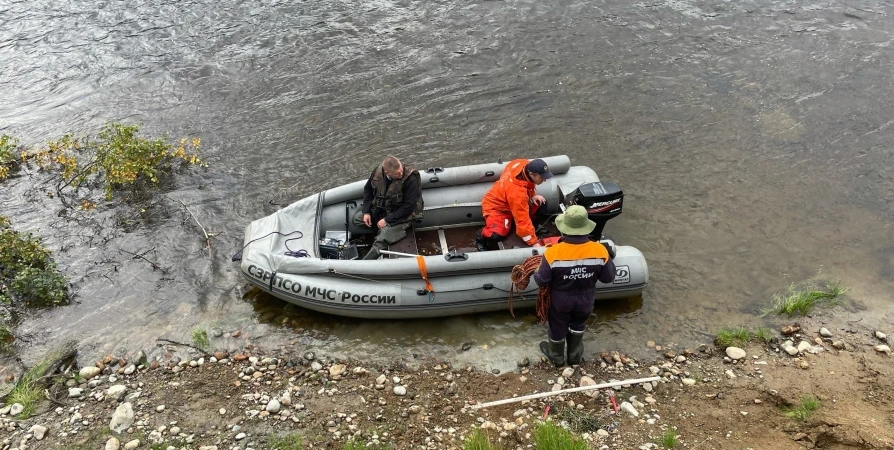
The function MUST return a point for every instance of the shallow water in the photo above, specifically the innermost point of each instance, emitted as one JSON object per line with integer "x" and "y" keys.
{"x": 752, "y": 139}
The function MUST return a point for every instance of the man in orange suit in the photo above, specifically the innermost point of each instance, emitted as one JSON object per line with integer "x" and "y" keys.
{"x": 513, "y": 199}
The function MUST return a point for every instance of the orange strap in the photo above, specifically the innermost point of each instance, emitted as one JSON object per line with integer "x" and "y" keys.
{"x": 420, "y": 260}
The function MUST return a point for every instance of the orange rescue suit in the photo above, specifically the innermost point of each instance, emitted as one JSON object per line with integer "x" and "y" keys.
{"x": 510, "y": 196}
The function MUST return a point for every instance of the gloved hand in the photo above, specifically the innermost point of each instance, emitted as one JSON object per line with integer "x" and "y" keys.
{"x": 610, "y": 248}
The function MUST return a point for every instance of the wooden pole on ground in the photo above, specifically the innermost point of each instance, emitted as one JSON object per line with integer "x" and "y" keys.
{"x": 564, "y": 391}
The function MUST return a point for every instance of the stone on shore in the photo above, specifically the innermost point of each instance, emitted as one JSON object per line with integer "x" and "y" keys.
{"x": 116, "y": 392}
{"x": 89, "y": 372}
{"x": 39, "y": 432}
{"x": 113, "y": 444}
{"x": 629, "y": 409}
{"x": 122, "y": 418}
{"x": 735, "y": 353}
{"x": 336, "y": 370}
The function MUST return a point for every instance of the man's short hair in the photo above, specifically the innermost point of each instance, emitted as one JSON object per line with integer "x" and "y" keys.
{"x": 391, "y": 164}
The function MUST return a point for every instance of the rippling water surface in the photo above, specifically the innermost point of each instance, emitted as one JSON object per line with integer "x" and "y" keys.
{"x": 753, "y": 141}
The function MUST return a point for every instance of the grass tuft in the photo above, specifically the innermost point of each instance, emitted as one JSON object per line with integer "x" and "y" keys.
{"x": 29, "y": 390}
{"x": 478, "y": 440}
{"x": 549, "y": 436}
{"x": 200, "y": 338}
{"x": 733, "y": 336}
{"x": 359, "y": 445}
{"x": 801, "y": 301}
{"x": 669, "y": 439}
{"x": 808, "y": 404}
{"x": 764, "y": 335}
{"x": 291, "y": 441}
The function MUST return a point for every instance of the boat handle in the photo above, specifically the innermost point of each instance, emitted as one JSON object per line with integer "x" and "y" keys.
{"x": 455, "y": 256}
{"x": 434, "y": 170}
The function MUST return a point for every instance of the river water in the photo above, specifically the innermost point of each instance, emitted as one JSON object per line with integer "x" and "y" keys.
{"x": 753, "y": 140}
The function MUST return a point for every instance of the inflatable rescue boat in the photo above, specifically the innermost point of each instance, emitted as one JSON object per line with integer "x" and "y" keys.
{"x": 308, "y": 253}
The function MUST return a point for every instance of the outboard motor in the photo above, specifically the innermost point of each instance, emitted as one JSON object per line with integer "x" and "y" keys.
{"x": 603, "y": 201}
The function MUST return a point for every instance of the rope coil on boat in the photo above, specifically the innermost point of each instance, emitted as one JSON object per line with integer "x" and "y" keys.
{"x": 520, "y": 277}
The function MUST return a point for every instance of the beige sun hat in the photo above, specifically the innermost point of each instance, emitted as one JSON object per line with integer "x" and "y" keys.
{"x": 575, "y": 221}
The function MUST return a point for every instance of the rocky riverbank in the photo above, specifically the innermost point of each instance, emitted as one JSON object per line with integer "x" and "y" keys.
{"x": 720, "y": 398}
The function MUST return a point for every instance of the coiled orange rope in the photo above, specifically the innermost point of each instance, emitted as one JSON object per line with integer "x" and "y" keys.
{"x": 520, "y": 276}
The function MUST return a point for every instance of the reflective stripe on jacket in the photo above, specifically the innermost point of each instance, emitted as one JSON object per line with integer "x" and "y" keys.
{"x": 511, "y": 195}
{"x": 573, "y": 266}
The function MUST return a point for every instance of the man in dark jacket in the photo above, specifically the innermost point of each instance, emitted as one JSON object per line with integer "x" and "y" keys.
{"x": 571, "y": 269}
{"x": 392, "y": 202}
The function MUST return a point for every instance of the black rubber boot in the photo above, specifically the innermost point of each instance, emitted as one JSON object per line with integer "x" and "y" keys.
{"x": 575, "y": 347}
{"x": 555, "y": 351}
{"x": 480, "y": 242}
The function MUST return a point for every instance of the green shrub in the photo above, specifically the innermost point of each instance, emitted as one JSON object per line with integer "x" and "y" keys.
{"x": 5, "y": 335}
{"x": 28, "y": 275}
{"x": 8, "y": 147}
{"x": 117, "y": 158}
{"x": 41, "y": 287}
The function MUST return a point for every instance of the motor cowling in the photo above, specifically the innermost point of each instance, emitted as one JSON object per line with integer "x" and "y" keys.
{"x": 603, "y": 201}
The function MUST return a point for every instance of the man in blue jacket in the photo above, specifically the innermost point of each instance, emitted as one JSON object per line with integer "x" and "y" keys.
{"x": 571, "y": 269}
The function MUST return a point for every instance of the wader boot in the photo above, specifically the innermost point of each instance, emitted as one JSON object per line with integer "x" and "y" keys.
{"x": 554, "y": 350}
{"x": 575, "y": 347}
{"x": 480, "y": 242}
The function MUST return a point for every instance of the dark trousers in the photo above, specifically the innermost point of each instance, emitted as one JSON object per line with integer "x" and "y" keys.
{"x": 384, "y": 237}
{"x": 568, "y": 313}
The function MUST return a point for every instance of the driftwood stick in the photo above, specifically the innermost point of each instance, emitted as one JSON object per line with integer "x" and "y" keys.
{"x": 564, "y": 391}
{"x": 154, "y": 264}
{"x": 204, "y": 232}
{"x": 185, "y": 345}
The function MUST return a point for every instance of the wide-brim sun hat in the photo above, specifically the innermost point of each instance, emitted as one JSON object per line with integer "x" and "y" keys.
{"x": 575, "y": 221}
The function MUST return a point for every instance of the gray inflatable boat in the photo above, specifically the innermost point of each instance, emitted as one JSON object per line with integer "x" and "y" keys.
{"x": 308, "y": 252}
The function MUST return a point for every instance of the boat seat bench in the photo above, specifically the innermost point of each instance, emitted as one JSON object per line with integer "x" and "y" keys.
{"x": 512, "y": 241}
{"x": 405, "y": 245}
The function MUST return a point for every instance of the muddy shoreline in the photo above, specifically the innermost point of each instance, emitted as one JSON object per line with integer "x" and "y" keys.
{"x": 251, "y": 399}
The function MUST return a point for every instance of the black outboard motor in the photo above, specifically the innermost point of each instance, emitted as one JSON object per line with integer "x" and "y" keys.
{"x": 603, "y": 201}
